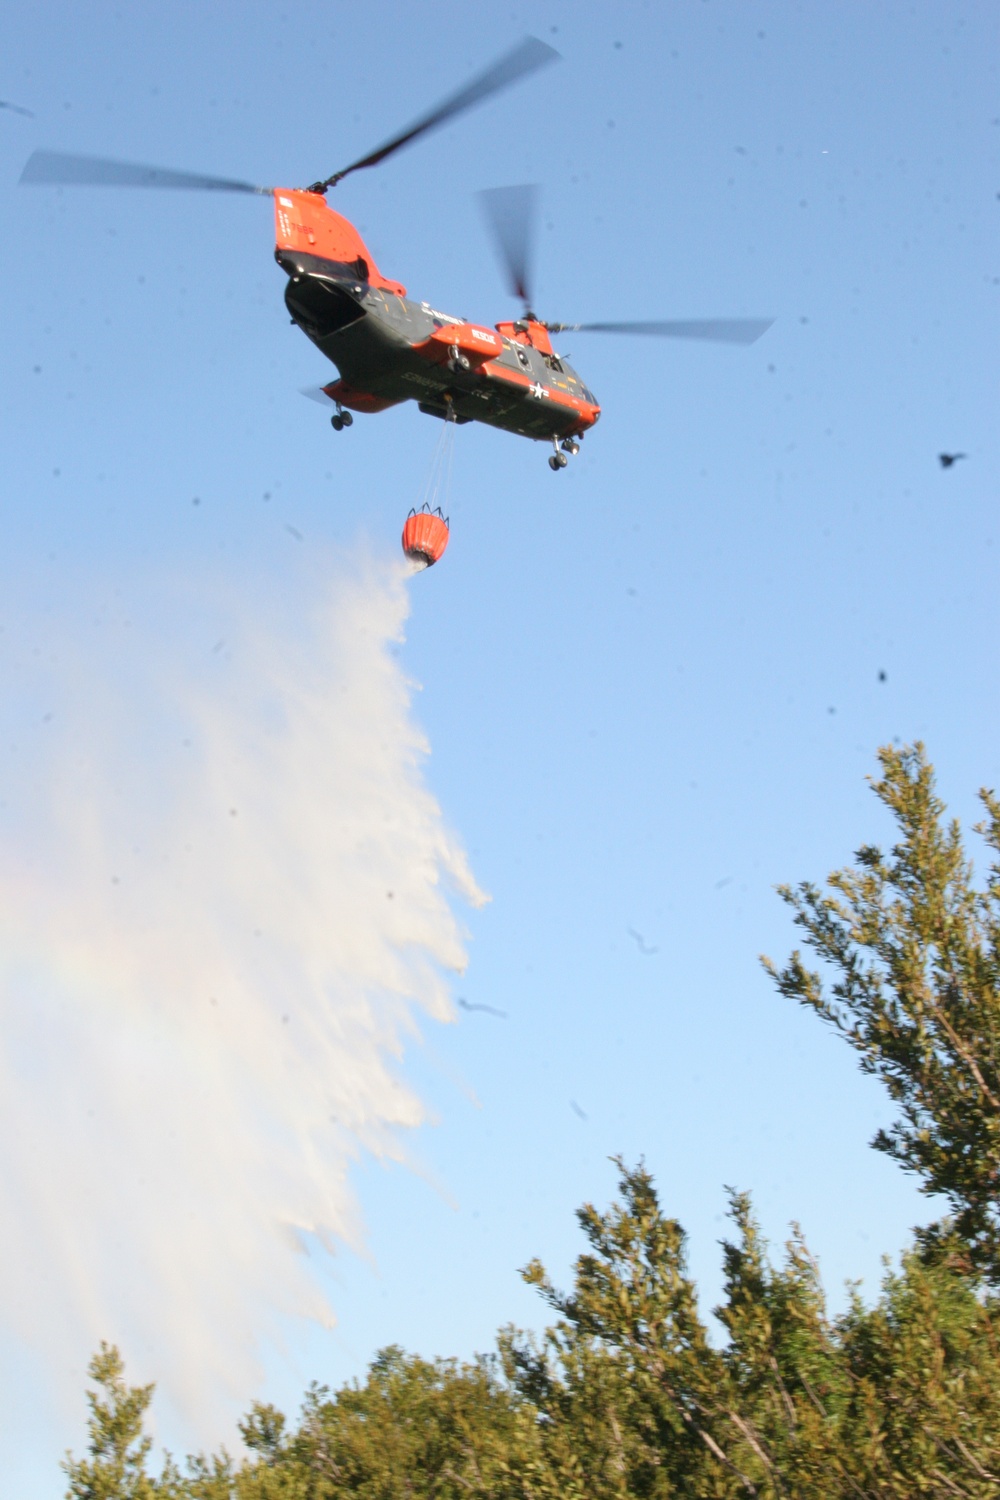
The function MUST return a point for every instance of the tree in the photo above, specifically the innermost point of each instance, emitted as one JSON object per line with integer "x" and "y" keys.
{"x": 898, "y": 1401}
{"x": 414, "y": 1427}
{"x": 116, "y": 1469}
{"x": 913, "y": 948}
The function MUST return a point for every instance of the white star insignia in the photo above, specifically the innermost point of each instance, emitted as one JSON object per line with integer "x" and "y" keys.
{"x": 538, "y": 390}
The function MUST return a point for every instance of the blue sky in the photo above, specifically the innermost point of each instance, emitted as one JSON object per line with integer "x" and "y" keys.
{"x": 651, "y": 683}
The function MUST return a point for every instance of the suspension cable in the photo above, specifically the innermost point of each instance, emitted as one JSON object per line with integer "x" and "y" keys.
{"x": 436, "y": 489}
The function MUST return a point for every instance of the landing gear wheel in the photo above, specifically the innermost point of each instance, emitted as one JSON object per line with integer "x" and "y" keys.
{"x": 346, "y": 419}
{"x": 337, "y": 423}
{"x": 558, "y": 461}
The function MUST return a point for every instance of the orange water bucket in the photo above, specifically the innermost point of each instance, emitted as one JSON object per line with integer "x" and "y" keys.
{"x": 425, "y": 536}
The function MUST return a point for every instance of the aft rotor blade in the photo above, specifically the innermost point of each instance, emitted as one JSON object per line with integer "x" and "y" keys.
{"x": 68, "y": 170}
{"x": 720, "y": 330}
{"x": 523, "y": 59}
{"x": 512, "y": 214}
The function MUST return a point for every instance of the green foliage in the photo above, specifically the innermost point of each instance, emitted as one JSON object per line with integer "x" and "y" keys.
{"x": 627, "y": 1396}
{"x": 914, "y": 950}
{"x": 630, "y": 1395}
{"x": 627, "y": 1373}
{"x": 415, "y": 1427}
{"x": 116, "y": 1469}
{"x": 901, "y": 1400}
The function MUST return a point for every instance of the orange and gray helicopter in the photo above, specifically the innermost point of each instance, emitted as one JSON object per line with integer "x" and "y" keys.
{"x": 388, "y": 348}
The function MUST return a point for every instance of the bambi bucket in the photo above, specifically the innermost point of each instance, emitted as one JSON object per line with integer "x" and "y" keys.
{"x": 425, "y": 536}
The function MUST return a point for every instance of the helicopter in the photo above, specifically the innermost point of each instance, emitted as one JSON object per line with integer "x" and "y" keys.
{"x": 388, "y": 348}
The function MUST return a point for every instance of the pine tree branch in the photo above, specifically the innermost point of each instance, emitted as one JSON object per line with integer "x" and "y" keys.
{"x": 951, "y": 1485}
{"x": 789, "y": 1405}
{"x": 973, "y": 1463}
{"x": 864, "y": 1494}
{"x": 812, "y": 1396}
{"x": 706, "y": 1437}
{"x": 757, "y": 1444}
{"x": 619, "y": 1445}
{"x": 964, "y": 1053}
{"x": 713, "y": 1447}
{"x": 449, "y": 1473}
{"x": 970, "y": 1459}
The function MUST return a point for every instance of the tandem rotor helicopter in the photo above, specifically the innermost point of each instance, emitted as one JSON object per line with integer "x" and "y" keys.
{"x": 388, "y": 348}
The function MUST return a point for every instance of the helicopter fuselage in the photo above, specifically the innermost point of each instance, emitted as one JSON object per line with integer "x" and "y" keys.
{"x": 388, "y": 348}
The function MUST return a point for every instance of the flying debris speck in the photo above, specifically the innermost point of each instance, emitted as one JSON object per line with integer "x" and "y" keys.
{"x": 491, "y": 1010}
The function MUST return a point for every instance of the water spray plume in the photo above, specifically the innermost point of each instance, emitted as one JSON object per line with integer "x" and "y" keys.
{"x": 224, "y": 902}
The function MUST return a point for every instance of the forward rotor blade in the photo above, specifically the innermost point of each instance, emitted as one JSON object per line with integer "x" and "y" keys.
{"x": 720, "y": 330}
{"x": 512, "y": 214}
{"x": 518, "y": 63}
{"x": 68, "y": 170}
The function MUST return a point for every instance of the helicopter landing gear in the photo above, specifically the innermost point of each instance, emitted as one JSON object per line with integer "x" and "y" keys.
{"x": 456, "y": 359}
{"x": 559, "y": 460}
{"x": 341, "y": 419}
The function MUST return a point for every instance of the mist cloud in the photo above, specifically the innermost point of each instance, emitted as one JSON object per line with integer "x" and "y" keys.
{"x": 224, "y": 899}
